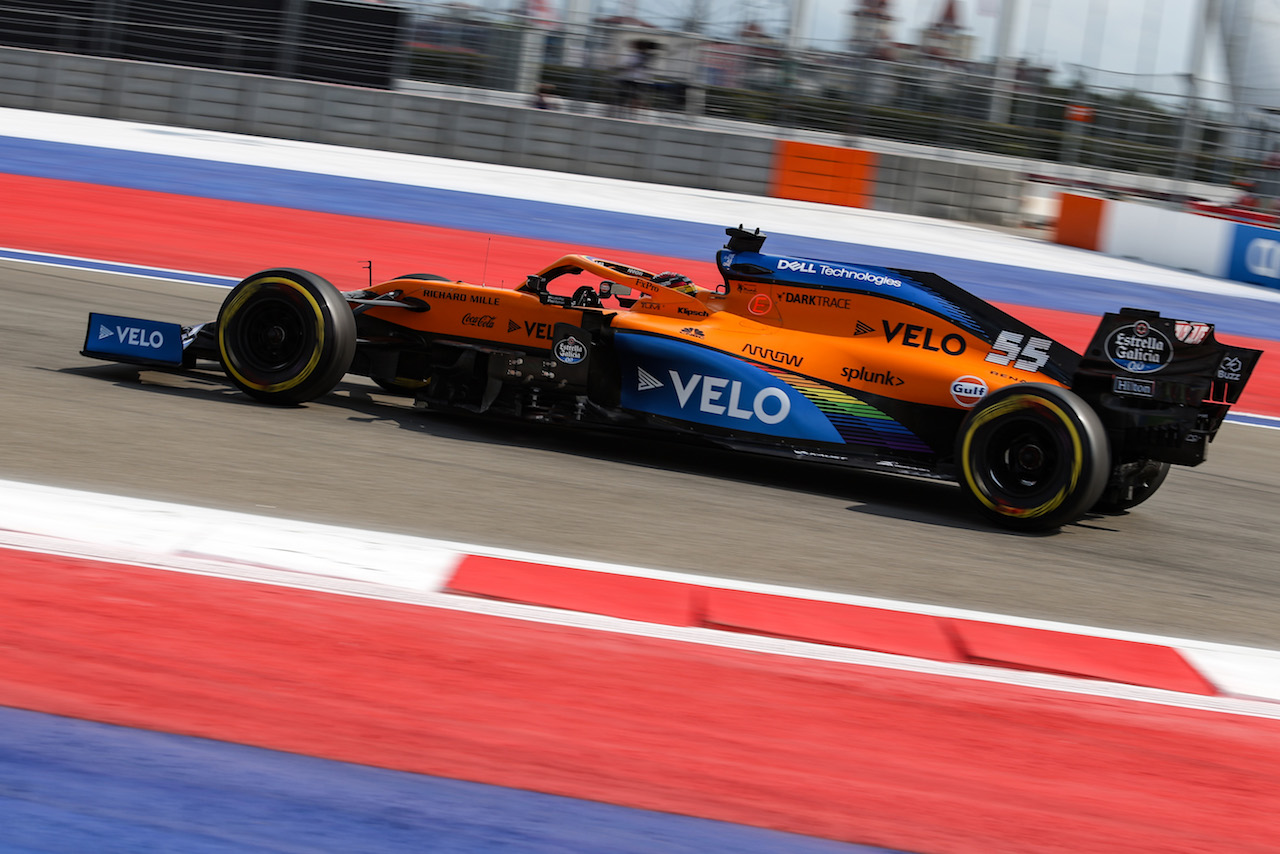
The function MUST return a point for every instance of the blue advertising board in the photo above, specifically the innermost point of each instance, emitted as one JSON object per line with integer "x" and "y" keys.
{"x": 1255, "y": 255}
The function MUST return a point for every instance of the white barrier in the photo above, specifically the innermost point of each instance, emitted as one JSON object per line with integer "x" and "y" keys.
{"x": 1166, "y": 237}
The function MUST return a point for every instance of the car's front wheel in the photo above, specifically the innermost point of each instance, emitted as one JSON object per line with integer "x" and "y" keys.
{"x": 1033, "y": 456}
{"x": 285, "y": 336}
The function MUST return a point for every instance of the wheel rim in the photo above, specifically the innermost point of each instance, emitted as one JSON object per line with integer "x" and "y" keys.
{"x": 271, "y": 335}
{"x": 1023, "y": 458}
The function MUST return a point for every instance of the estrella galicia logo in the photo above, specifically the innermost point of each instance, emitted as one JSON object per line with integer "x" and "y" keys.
{"x": 1138, "y": 348}
{"x": 570, "y": 351}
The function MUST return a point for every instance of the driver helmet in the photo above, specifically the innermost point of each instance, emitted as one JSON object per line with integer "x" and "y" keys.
{"x": 676, "y": 282}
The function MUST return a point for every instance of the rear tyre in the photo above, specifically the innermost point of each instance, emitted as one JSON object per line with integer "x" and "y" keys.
{"x": 1134, "y": 488}
{"x": 285, "y": 336}
{"x": 1033, "y": 457}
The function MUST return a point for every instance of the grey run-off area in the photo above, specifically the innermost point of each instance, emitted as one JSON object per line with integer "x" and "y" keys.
{"x": 1196, "y": 561}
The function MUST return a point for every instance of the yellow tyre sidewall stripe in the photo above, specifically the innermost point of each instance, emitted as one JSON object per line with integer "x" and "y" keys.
{"x": 1010, "y": 405}
{"x": 234, "y": 306}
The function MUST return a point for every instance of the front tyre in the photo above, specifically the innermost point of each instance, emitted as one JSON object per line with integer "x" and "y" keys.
{"x": 1033, "y": 456}
{"x": 286, "y": 336}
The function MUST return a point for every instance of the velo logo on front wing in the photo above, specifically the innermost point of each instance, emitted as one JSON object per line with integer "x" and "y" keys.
{"x": 719, "y": 396}
{"x": 133, "y": 336}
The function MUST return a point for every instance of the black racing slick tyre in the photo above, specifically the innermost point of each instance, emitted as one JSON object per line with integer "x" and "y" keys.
{"x": 286, "y": 336}
{"x": 1133, "y": 488}
{"x": 1033, "y": 457}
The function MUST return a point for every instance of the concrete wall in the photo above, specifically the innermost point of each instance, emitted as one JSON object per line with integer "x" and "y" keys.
{"x": 493, "y": 133}
{"x": 948, "y": 190}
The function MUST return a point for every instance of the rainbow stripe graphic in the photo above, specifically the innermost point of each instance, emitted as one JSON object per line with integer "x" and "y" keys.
{"x": 857, "y": 422}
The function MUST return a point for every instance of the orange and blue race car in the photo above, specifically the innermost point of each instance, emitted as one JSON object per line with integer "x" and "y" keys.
{"x": 841, "y": 363}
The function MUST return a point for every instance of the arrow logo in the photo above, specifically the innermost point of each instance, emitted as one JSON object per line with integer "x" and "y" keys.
{"x": 512, "y": 326}
{"x": 104, "y": 332}
{"x": 647, "y": 380}
{"x": 862, "y": 329}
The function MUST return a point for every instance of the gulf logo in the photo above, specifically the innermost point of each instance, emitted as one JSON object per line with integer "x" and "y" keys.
{"x": 968, "y": 390}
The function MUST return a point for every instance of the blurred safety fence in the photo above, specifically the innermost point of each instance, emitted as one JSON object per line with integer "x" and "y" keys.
{"x": 339, "y": 42}
{"x": 622, "y": 67}
{"x": 1125, "y": 123}
{"x": 511, "y": 135}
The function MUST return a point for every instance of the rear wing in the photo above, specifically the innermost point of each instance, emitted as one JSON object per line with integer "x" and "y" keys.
{"x": 1161, "y": 386}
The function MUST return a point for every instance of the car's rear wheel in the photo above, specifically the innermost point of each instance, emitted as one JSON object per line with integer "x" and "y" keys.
{"x": 1133, "y": 488}
{"x": 285, "y": 336}
{"x": 1033, "y": 456}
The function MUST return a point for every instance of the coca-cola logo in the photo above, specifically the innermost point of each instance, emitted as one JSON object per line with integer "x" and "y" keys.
{"x": 484, "y": 321}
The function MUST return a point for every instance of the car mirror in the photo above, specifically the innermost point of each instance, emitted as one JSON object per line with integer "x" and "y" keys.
{"x": 615, "y": 289}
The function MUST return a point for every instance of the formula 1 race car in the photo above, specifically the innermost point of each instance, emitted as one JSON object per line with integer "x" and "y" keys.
{"x": 879, "y": 368}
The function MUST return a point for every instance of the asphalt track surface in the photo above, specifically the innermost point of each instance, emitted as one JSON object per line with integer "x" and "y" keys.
{"x": 1195, "y": 561}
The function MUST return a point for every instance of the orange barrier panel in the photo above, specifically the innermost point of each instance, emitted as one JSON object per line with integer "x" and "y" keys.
{"x": 822, "y": 173}
{"x": 1079, "y": 221}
